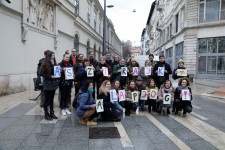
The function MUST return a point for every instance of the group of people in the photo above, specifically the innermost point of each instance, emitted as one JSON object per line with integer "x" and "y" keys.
{"x": 114, "y": 80}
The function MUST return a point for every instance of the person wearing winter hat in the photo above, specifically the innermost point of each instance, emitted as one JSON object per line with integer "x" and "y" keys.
{"x": 130, "y": 68}
{"x": 140, "y": 86}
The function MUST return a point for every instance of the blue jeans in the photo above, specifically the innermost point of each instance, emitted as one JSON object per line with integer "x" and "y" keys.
{"x": 118, "y": 106}
{"x": 142, "y": 102}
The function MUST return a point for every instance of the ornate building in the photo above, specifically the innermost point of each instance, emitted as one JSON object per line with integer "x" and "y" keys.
{"x": 29, "y": 27}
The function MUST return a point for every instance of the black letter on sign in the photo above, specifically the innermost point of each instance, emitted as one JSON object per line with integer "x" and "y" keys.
{"x": 124, "y": 71}
{"x": 89, "y": 70}
{"x": 135, "y": 95}
{"x": 166, "y": 98}
{"x": 99, "y": 105}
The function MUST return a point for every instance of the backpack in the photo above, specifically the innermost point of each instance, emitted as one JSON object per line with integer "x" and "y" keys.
{"x": 75, "y": 103}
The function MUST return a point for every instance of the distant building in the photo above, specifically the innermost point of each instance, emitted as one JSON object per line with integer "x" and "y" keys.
{"x": 136, "y": 51}
{"x": 29, "y": 27}
{"x": 193, "y": 30}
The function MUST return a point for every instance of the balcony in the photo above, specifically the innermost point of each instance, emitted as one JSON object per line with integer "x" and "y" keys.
{"x": 159, "y": 27}
{"x": 159, "y": 7}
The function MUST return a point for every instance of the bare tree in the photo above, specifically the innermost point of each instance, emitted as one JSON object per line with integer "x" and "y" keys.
{"x": 126, "y": 47}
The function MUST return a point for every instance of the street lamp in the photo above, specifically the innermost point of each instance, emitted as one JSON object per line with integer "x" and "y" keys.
{"x": 104, "y": 27}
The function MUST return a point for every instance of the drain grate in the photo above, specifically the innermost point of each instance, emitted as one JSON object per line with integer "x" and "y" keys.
{"x": 104, "y": 133}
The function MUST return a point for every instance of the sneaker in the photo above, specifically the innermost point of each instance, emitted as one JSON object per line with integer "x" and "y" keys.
{"x": 91, "y": 123}
{"x": 67, "y": 111}
{"x": 53, "y": 116}
{"x": 63, "y": 112}
{"x": 47, "y": 117}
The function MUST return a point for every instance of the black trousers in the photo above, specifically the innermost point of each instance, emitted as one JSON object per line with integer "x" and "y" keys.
{"x": 65, "y": 94}
{"x": 49, "y": 101}
{"x": 186, "y": 106}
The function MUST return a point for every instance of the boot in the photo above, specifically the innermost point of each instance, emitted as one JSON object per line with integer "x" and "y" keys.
{"x": 91, "y": 123}
{"x": 82, "y": 121}
{"x": 53, "y": 116}
{"x": 47, "y": 117}
{"x": 168, "y": 111}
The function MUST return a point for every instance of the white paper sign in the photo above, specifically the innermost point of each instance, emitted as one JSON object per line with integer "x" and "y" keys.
{"x": 153, "y": 94}
{"x": 186, "y": 95}
{"x": 182, "y": 72}
{"x": 99, "y": 105}
{"x": 113, "y": 95}
{"x": 123, "y": 71}
{"x": 69, "y": 73}
{"x": 161, "y": 71}
{"x": 166, "y": 98}
{"x": 122, "y": 96}
{"x": 105, "y": 71}
{"x": 57, "y": 72}
{"x": 90, "y": 71}
{"x": 135, "y": 71}
{"x": 144, "y": 95}
{"x": 135, "y": 97}
{"x": 148, "y": 71}
{"x": 156, "y": 58}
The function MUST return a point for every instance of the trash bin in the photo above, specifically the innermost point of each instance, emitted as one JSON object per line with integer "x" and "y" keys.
{"x": 191, "y": 77}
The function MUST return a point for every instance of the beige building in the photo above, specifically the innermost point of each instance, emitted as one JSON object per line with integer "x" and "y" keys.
{"x": 193, "y": 30}
{"x": 29, "y": 27}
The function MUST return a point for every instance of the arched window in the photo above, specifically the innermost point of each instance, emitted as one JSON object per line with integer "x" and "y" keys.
{"x": 76, "y": 43}
{"x": 94, "y": 51}
{"x": 88, "y": 47}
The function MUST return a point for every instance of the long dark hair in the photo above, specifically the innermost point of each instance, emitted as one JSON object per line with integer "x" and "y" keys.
{"x": 84, "y": 88}
{"x": 46, "y": 65}
{"x": 113, "y": 84}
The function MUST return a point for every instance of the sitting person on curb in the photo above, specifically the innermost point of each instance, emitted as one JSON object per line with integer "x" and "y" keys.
{"x": 152, "y": 103}
{"x": 140, "y": 86}
{"x": 86, "y": 105}
{"x": 166, "y": 87}
{"x": 111, "y": 113}
{"x": 179, "y": 103}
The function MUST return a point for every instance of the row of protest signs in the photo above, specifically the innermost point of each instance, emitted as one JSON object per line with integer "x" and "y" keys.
{"x": 68, "y": 73}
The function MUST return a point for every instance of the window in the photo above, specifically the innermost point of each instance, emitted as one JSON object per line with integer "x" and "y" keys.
{"x": 89, "y": 14}
{"x": 77, "y": 6}
{"x": 179, "y": 52}
{"x": 95, "y": 20}
{"x": 100, "y": 26}
{"x": 182, "y": 17}
{"x": 99, "y": 53}
{"x": 168, "y": 33}
{"x": 171, "y": 30}
{"x": 88, "y": 47}
{"x": 177, "y": 22}
{"x": 169, "y": 56}
{"x": 211, "y": 56}
{"x": 222, "y": 10}
{"x": 94, "y": 51}
{"x": 76, "y": 43}
{"x": 209, "y": 10}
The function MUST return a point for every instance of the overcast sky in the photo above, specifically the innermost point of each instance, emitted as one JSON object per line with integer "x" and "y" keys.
{"x": 129, "y": 25}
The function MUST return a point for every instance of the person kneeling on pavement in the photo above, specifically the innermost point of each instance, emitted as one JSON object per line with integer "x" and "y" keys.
{"x": 179, "y": 103}
{"x": 86, "y": 105}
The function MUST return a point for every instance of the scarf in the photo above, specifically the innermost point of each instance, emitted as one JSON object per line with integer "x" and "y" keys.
{"x": 132, "y": 89}
{"x": 181, "y": 88}
{"x": 74, "y": 59}
{"x": 66, "y": 63}
{"x": 166, "y": 90}
{"x": 90, "y": 91}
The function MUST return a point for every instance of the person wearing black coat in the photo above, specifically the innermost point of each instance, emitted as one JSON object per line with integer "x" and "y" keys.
{"x": 50, "y": 84}
{"x": 114, "y": 63}
{"x": 73, "y": 57}
{"x": 178, "y": 102}
{"x": 108, "y": 59}
{"x": 180, "y": 66}
{"x": 76, "y": 68}
{"x": 65, "y": 85}
{"x": 167, "y": 71}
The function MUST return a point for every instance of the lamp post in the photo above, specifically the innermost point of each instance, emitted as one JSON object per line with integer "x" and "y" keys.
{"x": 104, "y": 27}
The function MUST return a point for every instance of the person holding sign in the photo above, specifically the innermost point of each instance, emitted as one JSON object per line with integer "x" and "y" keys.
{"x": 65, "y": 85}
{"x": 162, "y": 71}
{"x": 133, "y": 70}
{"x": 111, "y": 112}
{"x": 86, "y": 104}
{"x": 83, "y": 72}
{"x": 183, "y": 97}
{"x": 103, "y": 72}
{"x": 165, "y": 88}
{"x": 152, "y": 92}
{"x": 141, "y": 87}
{"x": 146, "y": 72}
{"x": 176, "y": 75}
{"x": 117, "y": 71}
{"x": 50, "y": 84}
{"x": 130, "y": 90}
{"x": 122, "y": 98}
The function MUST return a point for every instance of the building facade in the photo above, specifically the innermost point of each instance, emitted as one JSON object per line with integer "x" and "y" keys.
{"x": 136, "y": 50}
{"x": 192, "y": 30}
{"x": 29, "y": 27}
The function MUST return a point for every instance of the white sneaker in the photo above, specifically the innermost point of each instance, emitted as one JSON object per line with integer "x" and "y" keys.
{"x": 63, "y": 112}
{"x": 68, "y": 112}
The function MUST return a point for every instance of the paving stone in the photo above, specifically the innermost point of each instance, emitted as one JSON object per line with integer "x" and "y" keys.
{"x": 200, "y": 145}
{"x": 74, "y": 133}
{"x": 99, "y": 143}
{"x": 116, "y": 144}
{"x": 167, "y": 146}
{"x": 18, "y": 111}
{"x": 103, "y": 133}
{"x": 149, "y": 127}
{"x": 16, "y": 132}
{"x": 141, "y": 119}
{"x": 135, "y": 132}
{"x": 143, "y": 144}
{"x": 29, "y": 148}
{"x": 44, "y": 129}
{"x": 158, "y": 137}
{"x": 59, "y": 124}
{"x": 6, "y": 122}
{"x": 55, "y": 133}
{"x": 35, "y": 140}
{"x": 185, "y": 134}
{"x": 28, "y": 120}
{"x": 71, "y": 145}
{"x": 6, "y": 144}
